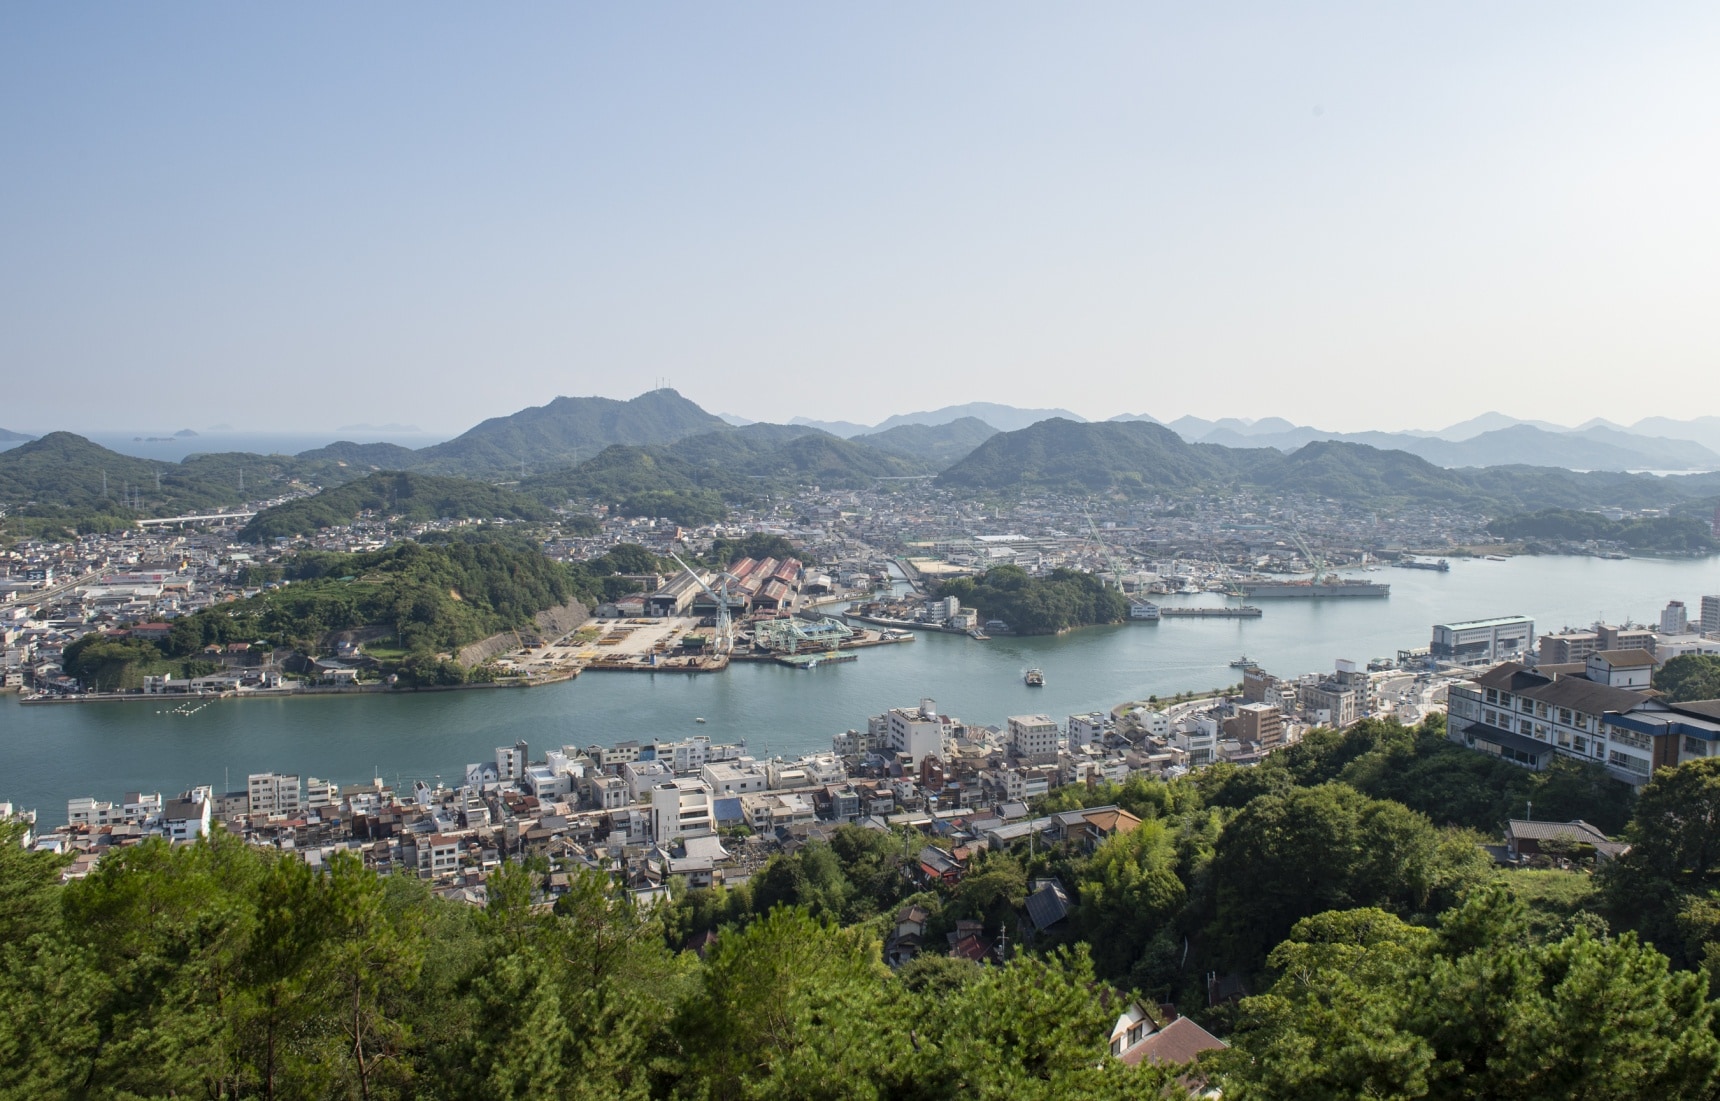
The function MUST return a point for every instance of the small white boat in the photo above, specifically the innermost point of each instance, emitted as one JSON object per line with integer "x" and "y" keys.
{"x": 700, "y": 719}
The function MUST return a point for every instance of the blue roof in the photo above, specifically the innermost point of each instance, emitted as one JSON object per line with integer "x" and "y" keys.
{"x": 727, "y": 809}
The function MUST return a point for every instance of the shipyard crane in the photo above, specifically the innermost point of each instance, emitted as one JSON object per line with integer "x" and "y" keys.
{"x": 725, "y": 626}
{"x": 1314, "y": 560}
{"x": 1116, "y": 570}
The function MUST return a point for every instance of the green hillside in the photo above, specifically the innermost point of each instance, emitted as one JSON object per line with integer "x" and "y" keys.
{"x": 1356, "y": 472}
{"x": 433, "y": 596}
{"x": 65, "y": 482}
{"x": 409, "y": 496}
{"x": 1138, "y": 458}
{"x": 1063, "y": 456}
{"x": 938, "y": 445}
{"x": 566, "y": 431}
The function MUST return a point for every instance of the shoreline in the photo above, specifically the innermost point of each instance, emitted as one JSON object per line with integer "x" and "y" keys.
{"x": 293, "y": 693}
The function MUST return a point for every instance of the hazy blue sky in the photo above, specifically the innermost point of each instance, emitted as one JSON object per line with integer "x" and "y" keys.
{"x": 1351, "y": 215}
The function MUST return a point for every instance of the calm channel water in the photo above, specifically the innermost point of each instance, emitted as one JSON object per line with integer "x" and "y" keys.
{"x": 49, "y": 754}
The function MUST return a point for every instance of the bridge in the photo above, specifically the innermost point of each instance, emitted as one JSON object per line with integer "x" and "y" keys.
{"x": 203, "y": 518}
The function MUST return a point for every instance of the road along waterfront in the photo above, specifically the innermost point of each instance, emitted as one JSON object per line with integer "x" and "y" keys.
{"x": 50, "y": 754}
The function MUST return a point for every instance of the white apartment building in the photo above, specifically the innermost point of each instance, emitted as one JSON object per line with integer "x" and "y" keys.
{"x": 546, "y": 783}
{"x": 187, "y": 817}
{"x": 641, "y": 776}
{"x": 511, "y": 762}
{"x": 606, "y": 792}
{"x": 1033, "y": 737}
{"x": 919, "y": 732}
{"x": 1711, "y": 615}
{"x": 273, "y": 793}
{"x": 321, "y": 794}
{"x": 680, "y": 808}
{"x": 1673, "y": 619}
{"x": 1086, "y": 730}
{"x": 1198, "y": 739}
{"x": 728, "y": 778}
{"x": 137, "y": 808}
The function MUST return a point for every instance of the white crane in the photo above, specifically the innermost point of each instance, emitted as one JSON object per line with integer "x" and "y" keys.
{"x": 1116, "y": 570}
{"x": 725, "y": 627}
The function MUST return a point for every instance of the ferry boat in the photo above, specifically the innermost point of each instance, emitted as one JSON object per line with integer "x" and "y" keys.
{"x": 1244, "y": 662}
{"x": 1034, "y": 678}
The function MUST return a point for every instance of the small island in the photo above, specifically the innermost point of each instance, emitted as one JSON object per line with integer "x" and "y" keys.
{"x": 1061, "y": 600}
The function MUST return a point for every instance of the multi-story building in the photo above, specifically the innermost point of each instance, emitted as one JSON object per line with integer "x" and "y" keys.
{"x": 1262, "y": 723}
{"x": 1621, "y": 668}
{"x": 1673, "y": 619}
{"x": 1033, "y": 737}
{"x": 1482, "y": 641}
{"x": 1198, "y": 739}
{"x": 321, "y": 794}
{"x": 1711, "y": 615}
{"x": 187, "y": 817}
{"x": 918, "y": 732}
{"x": 1526, "y": 717}
{"x": 1330, "y": 704}
{"x": 1625, "y": 638}
{"x": 729, "y": 778}
{"x": 511, "y": 761}
{"x": 680, "y": 808}
{"x": 1086, "y": 730}
{"x": 1567, "y": 647}
{"x": 273, "y": 793}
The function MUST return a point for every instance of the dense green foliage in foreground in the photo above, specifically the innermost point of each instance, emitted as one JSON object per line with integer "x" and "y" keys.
{"x": 1660, "y": 534}
{"x": 1690, "y": 677}
{"x": 393, "y": 493}
{"x": 220, "y": 972}
{"x": 1039, "y": 605}
{"x": 430, "y": 597}
{"x": 1389, "y": 958}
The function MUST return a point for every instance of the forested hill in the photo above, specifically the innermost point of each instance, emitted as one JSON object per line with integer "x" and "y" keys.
{"x": 63, "y": 478}
{"x": 1039, "y": 605}
{"x": 1140, "y": 458}
{"x": 567, "y": 430}
{"x": 407, "y": 496}
{"x": 936, "y": 444}
{"x": 428, "y": 598}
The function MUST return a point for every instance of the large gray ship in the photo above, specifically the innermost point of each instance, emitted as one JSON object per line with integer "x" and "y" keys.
{"x": 1313, "y": 590}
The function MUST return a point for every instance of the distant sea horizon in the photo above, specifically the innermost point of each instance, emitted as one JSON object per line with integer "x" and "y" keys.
{"x": 164, "y": 446}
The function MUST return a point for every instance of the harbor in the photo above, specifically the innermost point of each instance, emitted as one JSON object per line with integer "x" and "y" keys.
{"x": 50, "y": 754}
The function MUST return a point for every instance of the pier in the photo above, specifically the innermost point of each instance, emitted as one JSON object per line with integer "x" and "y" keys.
{"x": 1246, "y": 611}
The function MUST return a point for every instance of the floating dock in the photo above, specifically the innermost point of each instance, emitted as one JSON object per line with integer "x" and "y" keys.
{"x": 813, "y": 661}
{"x": 1246, "y": 611}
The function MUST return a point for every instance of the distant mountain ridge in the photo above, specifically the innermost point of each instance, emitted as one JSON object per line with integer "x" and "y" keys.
{"x": 1142, "y": 458}
{"x": 1003, "y": 418}
{"x": 1596, "y": 447}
